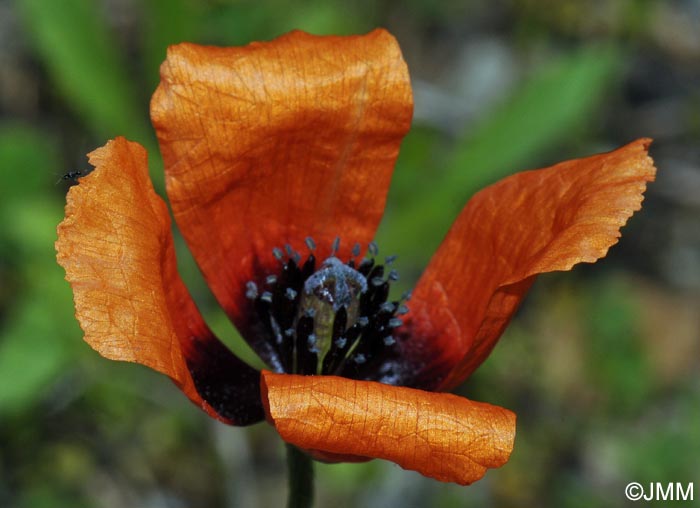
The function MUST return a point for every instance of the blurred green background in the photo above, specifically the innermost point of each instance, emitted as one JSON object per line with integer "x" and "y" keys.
{"x": 601, "y": 364}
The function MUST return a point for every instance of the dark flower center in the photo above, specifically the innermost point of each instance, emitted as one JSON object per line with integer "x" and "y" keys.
{"x": 334, "y": 319}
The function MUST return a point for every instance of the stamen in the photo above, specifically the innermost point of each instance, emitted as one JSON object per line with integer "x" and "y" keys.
{"x": 373, "y": 249}
{"x": 251, "y": 290}
{"x": 387, "y": 307}
{"x": 276, "y": 330}
{"x": 309, "y": 267}
{"x": 406, "y": 296}
{"x": 311, "y": 343}
{"x": 310, "y": 243}
{"x": 304, "y": 360}
{"x": 292, "y": 253}
{"x": 395, "y": 322}
{"x": 365, "y": 266}
{"x": 334, "y": 319}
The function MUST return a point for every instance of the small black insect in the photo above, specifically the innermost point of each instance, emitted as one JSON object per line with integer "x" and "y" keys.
{"x": 72, "y": 176}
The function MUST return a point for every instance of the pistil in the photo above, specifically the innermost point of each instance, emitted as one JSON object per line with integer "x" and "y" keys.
{"x": 332, "y": 320}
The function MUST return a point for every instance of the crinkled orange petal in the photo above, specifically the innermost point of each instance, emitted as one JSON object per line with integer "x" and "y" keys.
{"x": 117, "y": 249}
{"x": 440, "y": 435}
{"x": 529, "y": 223}
{"x": 269, "y": 143}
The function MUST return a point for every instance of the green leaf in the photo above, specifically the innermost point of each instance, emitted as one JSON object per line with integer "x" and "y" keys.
{"x": 28, "y": 159}
{"x": 40, "y": 336}
{"x": 32, "y": 353}
{"x": 547, "y": 111}
{"x": 238, "y": 23}
{"x": 82, "y": 58}
{"x": 165, "y": 22}
{"x": 619, "y": 366}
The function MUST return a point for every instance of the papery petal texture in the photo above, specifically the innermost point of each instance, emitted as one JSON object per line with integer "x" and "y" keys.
{"x": 529, "y": 223}
{"x": 267, "y": 144}
{"x": 117, "y": 249}
{"x": 440, "y": 435}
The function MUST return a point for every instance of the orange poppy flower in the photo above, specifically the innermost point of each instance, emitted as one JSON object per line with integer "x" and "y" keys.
{"x": 291, "y": 144}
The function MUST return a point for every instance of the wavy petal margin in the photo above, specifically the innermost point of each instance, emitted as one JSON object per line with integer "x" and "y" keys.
{"x": 269, "y": 143}
{"x": 117, "y": 249}
{"x": 529, "y": 223}
{"x": 440, "y": 435}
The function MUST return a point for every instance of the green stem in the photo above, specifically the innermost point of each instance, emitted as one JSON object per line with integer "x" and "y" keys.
{"x": 301, "y": 478}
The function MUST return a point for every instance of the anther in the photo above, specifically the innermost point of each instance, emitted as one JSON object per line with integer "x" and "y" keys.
{"x": 359, "y": 359}
{"x": 377, "y": 281}
{"x": 340, "y": 342}
{"x": 363, "y": 321}
{"x": 390, "y": 259}
{"x": 277, "y": 252}
{"x": 387, "y": 307}
{"x": 271, "y": 279}
{"x": 310, "y": 243}
{"x": 310, "y": 312}
{"x": 395, "y": 322}
{"x": 356, "y": 249}
{"x": 393, "y": 276}
{"x": 289, "y": 332}
{"x": 335, "y": 245}
{"x": 388, "y": 340}
{"x": 311, "y": 343}
{"x": 373, "y": 248}
{"x": 292, "y": 253}
{"x": 276, "y": 330}
{"x": 266, "y": 297}
{"x": 402, "y": 310}
{"x": 251, "y": 290}
{"x": 407, "y": 295}
{"x": 290, "y": 294}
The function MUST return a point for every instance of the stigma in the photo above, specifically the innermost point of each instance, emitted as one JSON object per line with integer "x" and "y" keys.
{"x": 335, "y": 284}
{"x": 334, "y": 319}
